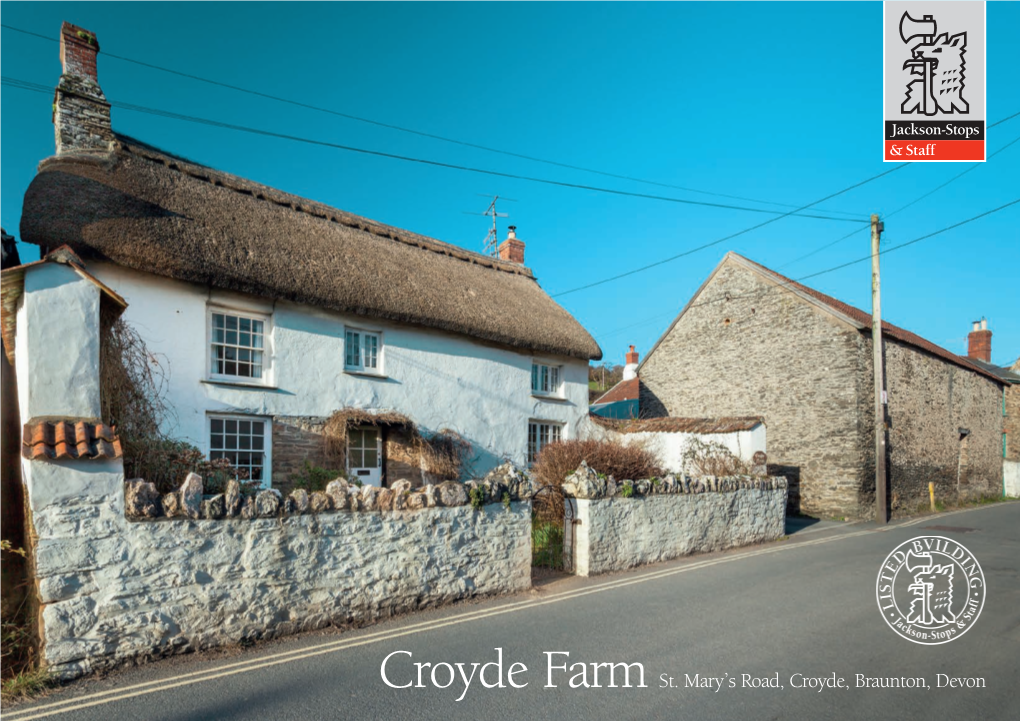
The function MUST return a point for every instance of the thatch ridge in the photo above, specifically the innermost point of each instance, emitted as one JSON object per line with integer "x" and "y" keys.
{"x": 148, "y": 210}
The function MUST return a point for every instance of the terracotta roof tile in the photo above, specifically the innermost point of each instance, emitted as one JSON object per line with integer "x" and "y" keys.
{"x": 69, "y": 439}
{"x": 680, "y": 425}
{"x": 623, "y": 391}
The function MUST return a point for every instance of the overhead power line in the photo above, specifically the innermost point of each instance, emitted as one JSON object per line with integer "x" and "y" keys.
{"x": 783, "y": 286}
{"x": 747, "y": 230}
{"x": 420, "y": 133}
{"x": 724, "y": 238}
{"x": 36, "y": 87}
{"x": 916, "y": 200}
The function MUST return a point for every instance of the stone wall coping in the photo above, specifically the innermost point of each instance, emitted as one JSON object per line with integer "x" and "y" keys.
{"x": 585, "y": 483}
{"x": 143, "y": 502}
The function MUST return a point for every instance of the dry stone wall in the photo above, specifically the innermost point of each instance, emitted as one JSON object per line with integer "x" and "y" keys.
{"x": 115, "y": 588}
{"x": 630, "y": 523}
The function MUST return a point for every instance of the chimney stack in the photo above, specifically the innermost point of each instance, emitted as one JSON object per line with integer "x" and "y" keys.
{"x": 512, "y": 249}
{"x": 630, "y": 370}
{"x": 979, "y": 342}
{"x": 81, "y": 114}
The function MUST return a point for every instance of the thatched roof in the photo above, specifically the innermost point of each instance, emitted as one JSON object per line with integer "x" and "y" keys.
{"x": 145, "y": 209}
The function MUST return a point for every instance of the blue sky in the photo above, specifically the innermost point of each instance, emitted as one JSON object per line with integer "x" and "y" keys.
{"x": 773, "y": 101}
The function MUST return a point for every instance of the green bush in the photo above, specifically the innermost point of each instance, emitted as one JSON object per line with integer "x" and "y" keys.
{"x": 314, "y": 478}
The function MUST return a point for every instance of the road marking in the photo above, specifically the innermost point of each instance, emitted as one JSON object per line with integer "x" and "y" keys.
{"x": 187, "y": 679}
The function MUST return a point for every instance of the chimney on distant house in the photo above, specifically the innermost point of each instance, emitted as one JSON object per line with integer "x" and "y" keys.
{"x": 512, "y": 249}
{"x": 81, "y": 114}
{"x": 979, "y": 342}
{"x": 630, "y": 370}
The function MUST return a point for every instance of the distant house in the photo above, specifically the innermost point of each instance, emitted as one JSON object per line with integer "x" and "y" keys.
{"x": 751, "y": 342}
{"x": 273, "y": 311}
{"x": 979, "y": 352}
{"x": 622, "y": 400}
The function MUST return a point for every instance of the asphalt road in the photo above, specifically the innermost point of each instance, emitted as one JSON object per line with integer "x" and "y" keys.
{"x": 802, "y": 606}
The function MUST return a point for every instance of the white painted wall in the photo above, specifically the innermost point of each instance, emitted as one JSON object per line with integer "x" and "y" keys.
{"x": 669, "y": 448}
{"x": 58, "y": 329}
{"x": 618, "y": 533}
{"x": 440, "y": 380}
{"x": 1011, "y": 478}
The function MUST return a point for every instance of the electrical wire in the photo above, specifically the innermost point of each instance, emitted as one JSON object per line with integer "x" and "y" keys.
{"x": 420, "y": 133}
{"x": 35, "y": 87}
{"x": 975, "y": 166}
{"x": 724, "y": 238}
{"x": 792, "y": 282}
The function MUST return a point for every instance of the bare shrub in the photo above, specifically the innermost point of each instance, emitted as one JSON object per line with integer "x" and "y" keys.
{"x": 558, "y": 460}
{"x": 133, "y": 385}
{"x": 442, "y": 455}
{"x": 709, "y": 458}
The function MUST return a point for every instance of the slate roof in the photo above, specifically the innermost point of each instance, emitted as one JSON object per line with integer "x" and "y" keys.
{"x": 1007, "y": 375}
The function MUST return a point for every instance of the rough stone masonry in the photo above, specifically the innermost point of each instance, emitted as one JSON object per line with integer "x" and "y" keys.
{"x": 632, "y": 523}
{"x": 113, "y": 589}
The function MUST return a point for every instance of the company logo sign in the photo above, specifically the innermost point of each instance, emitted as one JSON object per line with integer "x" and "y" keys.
{"x": 934, "y": 89}
{"x": 930, "y": 590}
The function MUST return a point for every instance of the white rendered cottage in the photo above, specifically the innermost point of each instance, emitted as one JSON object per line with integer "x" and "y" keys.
{"x": 273, "y": 311}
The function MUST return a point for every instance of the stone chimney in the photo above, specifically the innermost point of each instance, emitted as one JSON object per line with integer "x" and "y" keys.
{"x": 512, "y": 249}
{"x": 630, "y": 370}
{"x": 81, "y": 114}
{"x": 979, "y": 342}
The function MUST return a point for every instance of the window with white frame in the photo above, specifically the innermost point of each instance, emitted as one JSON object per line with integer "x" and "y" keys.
{"x": 244, "y": 441}
{"x": 237, "y": 343}
{"x": 362, "y": 351}
{"x": 545, "y": 379}
{"x": 540, "y": 435}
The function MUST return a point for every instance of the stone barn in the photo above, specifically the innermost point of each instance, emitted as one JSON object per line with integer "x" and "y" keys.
{"x": 751, "y": 342}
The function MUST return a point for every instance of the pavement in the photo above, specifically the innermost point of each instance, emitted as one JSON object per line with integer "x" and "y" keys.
{"x": 805, "y": 605}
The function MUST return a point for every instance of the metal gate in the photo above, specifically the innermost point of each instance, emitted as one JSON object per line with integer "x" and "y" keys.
{"x": 552, "y": 529}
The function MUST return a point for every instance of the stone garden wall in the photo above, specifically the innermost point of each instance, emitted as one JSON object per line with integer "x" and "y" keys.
{"x": 628, "y": 524}
{"x": 125, "y": 573}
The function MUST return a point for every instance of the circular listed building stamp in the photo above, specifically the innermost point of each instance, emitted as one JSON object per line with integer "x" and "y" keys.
{"x": 930, "y": 590}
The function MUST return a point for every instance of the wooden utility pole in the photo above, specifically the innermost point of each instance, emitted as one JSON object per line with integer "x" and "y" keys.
{"x": 881, "y": 491}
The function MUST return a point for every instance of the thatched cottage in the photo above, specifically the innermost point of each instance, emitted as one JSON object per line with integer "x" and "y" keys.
{"x": 273, "y": 312}
{"x": 751, "y": 342}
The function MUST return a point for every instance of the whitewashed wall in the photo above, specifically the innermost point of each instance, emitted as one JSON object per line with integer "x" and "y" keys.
{"x": 618, "y": 533}
{"x": 669, "y": 448}
{"x": 440, "y": 380}
{"x": 1011, "y": 478}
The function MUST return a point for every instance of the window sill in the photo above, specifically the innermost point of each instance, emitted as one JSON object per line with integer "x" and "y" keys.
{"x": 238, "y": 384}
{"x": 554, "y": 399}
{"x": 366, "y": 374}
